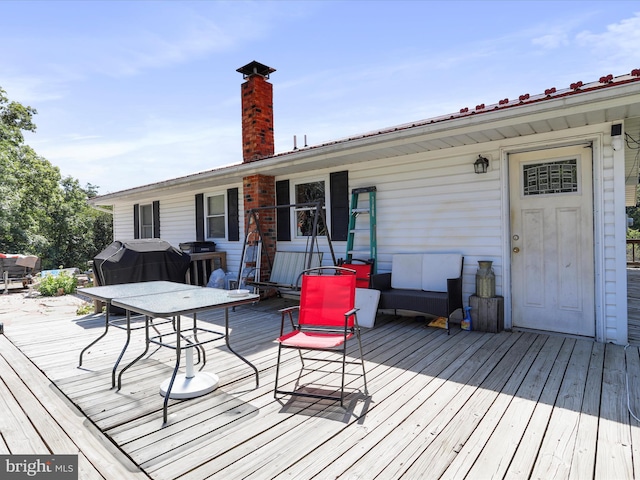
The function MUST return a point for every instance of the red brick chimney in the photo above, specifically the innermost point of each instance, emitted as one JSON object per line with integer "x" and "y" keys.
{"x": 257, "y": 112}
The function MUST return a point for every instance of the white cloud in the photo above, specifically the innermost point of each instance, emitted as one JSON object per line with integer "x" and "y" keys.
{"x": 31, "y": 89}
{"x": 142, "y": 50}
{"x": 161, "y": 151}
{"x": 551, "y": 40}
{"x": 619, "y": 43}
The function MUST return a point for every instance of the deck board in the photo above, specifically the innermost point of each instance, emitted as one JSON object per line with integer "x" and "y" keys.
{"x": 525, "y": 455}
{"x": 492, "y": 444}
{"x": 613, "y": 459}
{"x": 442, "y": 438}
{"x": 557, "y": 449}
{"x": 60, "y": 427}
{"x": 465, "y": 405}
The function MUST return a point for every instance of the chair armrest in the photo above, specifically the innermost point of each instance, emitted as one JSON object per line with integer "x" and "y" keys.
{"x": 288, "y": 312}
{"x": 454, "y": 293}
{"x": 289, "y": 309}
{"x": 351, "y": 312}
{"x": 381, "y": 281}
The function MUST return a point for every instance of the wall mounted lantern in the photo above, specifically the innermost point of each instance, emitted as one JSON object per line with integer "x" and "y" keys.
{"x": 481, "y": 164}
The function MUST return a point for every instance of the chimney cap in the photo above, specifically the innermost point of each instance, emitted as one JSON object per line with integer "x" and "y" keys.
{"x": 255, "y": 68}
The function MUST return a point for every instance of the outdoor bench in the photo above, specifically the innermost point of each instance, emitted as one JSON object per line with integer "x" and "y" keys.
{"x": 17, "y": 268}
{"x": 429, "y": 283}
{"x": 286, "y": 270}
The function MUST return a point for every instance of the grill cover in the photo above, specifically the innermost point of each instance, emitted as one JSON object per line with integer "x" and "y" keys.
{"x": 141, "y": 260}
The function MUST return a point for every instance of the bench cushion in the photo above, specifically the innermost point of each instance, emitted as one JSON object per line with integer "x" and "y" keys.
{"x": 424, "y": 271}
{"x": 437, "y": 268}
{"x": 406, "y": 271}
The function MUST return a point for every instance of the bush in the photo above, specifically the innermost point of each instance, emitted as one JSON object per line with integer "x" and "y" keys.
{"x": 60, "y": 284}
{"x": 85, "y": 309}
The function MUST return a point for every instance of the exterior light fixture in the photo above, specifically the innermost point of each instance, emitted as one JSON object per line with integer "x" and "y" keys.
{"x": 616, "y": 137}
{"x": 481, "y": 164}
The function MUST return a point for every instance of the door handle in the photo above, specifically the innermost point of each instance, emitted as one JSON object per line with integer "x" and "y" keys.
{"x": 516, "y": 249}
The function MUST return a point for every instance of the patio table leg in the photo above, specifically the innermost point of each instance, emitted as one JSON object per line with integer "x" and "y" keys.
{"x": 226, "y": 339}
{"x": 173, "y": 376}
{"x": 189, "y": 385}
{"x": 146, "y": 348}
{"x": 106, "y": 329}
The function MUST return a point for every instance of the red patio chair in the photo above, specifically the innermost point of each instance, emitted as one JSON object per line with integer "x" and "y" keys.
{"x": 326, "y": 321}
{"x": 363, "y": 268}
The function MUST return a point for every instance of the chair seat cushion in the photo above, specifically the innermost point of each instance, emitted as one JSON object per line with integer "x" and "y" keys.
{"x": 312, "y": 340}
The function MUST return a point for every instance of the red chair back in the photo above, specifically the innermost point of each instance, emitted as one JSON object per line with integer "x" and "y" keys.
{"x": 324, "y": 299}
{"x": 363, "y": 273}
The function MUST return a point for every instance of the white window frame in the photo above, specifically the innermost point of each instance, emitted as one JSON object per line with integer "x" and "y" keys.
{"x": 207, "y": 216}
{"x": 143, "y": 227}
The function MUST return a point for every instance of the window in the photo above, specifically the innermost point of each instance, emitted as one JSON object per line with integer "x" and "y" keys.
{"x": 146, "y": 221}
{"x": 550, "y": 178}
{"x": 309, "y": 193}
{"x": 215, "y": 217}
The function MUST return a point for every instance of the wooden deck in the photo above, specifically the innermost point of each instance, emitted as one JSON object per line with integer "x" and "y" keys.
{"x": 469, "y": 405}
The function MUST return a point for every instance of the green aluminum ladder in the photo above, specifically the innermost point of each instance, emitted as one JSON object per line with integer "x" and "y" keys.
{"x": 359, "y": 209}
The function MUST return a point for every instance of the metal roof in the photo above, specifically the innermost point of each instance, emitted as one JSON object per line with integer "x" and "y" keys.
{"x": 607, "y": 99}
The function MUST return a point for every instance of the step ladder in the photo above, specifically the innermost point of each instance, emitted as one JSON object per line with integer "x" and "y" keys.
{"x": 366, "y": 247}
{"x": 251, "y": 256}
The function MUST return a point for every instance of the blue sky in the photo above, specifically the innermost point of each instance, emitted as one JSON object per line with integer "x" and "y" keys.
{"x": 130, "y": 93}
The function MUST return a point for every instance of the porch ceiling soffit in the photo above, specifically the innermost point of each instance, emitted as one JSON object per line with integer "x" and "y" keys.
{"x": 543, "y": 117}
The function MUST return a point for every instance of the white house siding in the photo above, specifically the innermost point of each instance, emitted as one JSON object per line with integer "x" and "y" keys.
{"x": 177, "y": 219}
{"x": 178, "y": 224}
{"x": 123, "y": 221}
{"x": 433, "y": 201}
{"x": 615, "y": 261}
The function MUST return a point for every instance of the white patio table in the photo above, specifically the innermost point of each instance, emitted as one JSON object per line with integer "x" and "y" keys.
{"x": 174, "y": 304}
{"x": 106, "y": 293}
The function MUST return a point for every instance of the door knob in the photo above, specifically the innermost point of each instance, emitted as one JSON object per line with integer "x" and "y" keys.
{"x": 516, "y": 249}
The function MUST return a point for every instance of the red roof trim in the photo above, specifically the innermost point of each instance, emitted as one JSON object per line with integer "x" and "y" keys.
{"x": 575, "y": 88}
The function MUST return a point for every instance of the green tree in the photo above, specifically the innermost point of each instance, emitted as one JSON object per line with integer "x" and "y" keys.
{"x": 42, "y": 213}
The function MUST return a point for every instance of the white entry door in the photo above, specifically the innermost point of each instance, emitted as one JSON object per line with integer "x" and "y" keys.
{"x": 552, "y": 252}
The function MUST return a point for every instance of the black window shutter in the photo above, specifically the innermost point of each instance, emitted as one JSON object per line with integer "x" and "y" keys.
{"x": 136, "y": 221}
{"x": 233, "y": 216}
{"x": 339, "y": 185}
{"x": 156, "y": 219}
{"x": 283, "y": 215}
{"x": 200, "y": 217}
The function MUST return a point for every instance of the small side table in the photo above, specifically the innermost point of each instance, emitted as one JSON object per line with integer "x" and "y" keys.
{"x": 487, "y": 314}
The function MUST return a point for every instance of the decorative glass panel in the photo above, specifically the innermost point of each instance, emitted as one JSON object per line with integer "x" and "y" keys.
{"x": 305, "y": 216}
{"x": 549, "y": 178}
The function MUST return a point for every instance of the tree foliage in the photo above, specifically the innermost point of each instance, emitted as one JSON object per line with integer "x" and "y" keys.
{"x": 42, "y": 213}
